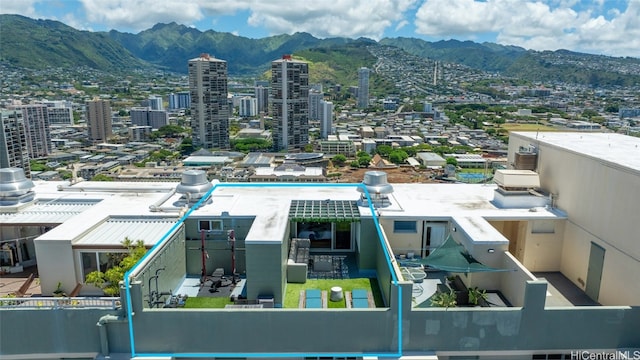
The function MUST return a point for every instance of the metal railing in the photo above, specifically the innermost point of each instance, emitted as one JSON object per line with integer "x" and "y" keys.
{"x": 111, "y": 303}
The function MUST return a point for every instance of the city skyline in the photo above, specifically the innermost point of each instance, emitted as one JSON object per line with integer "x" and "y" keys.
{"x": 598, "y": 27}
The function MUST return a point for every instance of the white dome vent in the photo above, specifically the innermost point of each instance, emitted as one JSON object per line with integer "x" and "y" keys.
{"x": 15, "y": 188}
{"x": 378, "y": 188}
{"x": 194, "y": 185}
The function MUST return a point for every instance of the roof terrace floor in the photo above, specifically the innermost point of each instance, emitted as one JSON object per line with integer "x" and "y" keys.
{"x": 562, "y": 292}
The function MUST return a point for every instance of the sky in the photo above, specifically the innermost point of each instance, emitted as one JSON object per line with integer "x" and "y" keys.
{"x": 607, "y": 27}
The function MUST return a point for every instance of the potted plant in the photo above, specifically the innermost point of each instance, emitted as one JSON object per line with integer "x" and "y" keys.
{"x": 58, "y": 292}
{"x": 476, "y": 296}
{"x": 444, "y": 299}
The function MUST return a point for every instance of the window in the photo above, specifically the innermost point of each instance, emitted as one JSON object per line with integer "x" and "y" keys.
{"x": 103, "y": 261}
{"x": 210, "y": 225}
{"x": 404, "y": 227}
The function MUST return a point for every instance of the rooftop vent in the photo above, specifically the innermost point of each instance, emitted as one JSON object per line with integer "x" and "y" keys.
{"x": 15, "y": 188}
{"x": 194, "y": 185}
{"x": 378, "y": 187}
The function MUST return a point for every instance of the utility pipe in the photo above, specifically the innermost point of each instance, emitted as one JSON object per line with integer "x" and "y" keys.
{"x": 104, "y": 338}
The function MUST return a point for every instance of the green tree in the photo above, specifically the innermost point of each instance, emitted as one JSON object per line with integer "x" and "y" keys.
{"x": 612, "y": 108}
{"x": 451, "y": 160}
{"x": 101, "y": 177}
{"x": 384, "y": 150}
{"x": 589, "y": 113}
{"x": 119, "y": 264}
{"x": 37, "y": 166}
{"x": 364, "y": 161}
{"x": 186, "y": 146}
{"x": 339, "y": 160}
{"x": 398, "y": 156}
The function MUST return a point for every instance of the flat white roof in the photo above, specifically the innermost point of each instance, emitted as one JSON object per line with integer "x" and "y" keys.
{"x": 128, "y": 206}
{"x": 614, "y": 148}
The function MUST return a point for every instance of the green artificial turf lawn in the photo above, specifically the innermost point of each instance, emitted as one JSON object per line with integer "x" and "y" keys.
{"x": 292, "y": 295}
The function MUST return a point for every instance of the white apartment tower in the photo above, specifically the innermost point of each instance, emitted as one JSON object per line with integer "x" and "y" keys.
{"x": 155, "y": 102}
{"x": 290, "y": 103}
{"x": 248, "y": 106}
{"x": 363, "y": 88}
{"x": 210, "y": 109}
{"x": 262, "y": 95}
{"x": 99, "y": 120}
{"x": 326, "y": 118}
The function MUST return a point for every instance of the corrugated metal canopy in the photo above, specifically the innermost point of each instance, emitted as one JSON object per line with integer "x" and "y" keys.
{"x": 47, "y": 212}
{"x": 113, "y": 231}
{"x": 324, "y": 210}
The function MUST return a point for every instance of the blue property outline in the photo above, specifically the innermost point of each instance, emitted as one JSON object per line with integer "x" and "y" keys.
{"x": 394, "y": 281}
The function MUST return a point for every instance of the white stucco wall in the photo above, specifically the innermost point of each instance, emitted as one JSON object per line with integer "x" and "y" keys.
{"x": 602, "y": 200}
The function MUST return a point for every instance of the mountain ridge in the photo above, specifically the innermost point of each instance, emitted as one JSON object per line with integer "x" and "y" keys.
{"x": 168, "y": 46}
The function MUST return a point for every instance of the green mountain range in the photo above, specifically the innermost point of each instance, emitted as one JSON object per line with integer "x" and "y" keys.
{"x": 37, "y": 44}
{"x": 33, "y": 43}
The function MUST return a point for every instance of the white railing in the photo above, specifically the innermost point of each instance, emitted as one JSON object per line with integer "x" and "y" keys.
{"x": 60, "y": 303}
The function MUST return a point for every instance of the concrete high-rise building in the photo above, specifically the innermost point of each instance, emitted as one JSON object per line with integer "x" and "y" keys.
{"x": 99, "y": 120}
{"x": 36, "y": 125}
{"x": 262, "y": 97}
{"x": 144, "y": 116}
{"x": 60, "y": 116}
{"x": 248, "y": 106}
{"x": 14, "y": 151}
{"x": 315, "y": 98}
{"x": 290, "y": 103}
{"x": 326, "y": 118}
{"x": 181, "y": 100}
{"x": 155, "y": 102}
{"x": 210, "y": 108}
{"x": 139, "y": 133}
{"x": 363, "y": 88}
{"x": 60, "y": 112}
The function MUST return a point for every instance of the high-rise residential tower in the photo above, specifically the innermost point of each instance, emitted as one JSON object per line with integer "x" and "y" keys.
{"x": 99, "y": 120}
{"x": 155, "y": 102}
{"x": 14, "y": 151}
{"x": 35, "y": 118}
{"x": 315, "y": 98}
{"x": 181, "y": 100}
{"x": 262, "y": 95}
{"x": 210, "y": 108}
{"x": 363, "y": 88}
{"x": 326, "y": 119}
{"x": 290, "y": 103}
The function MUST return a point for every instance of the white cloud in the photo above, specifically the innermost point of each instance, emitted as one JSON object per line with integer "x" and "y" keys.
{"x": 534, "y": 24}
{"x": 402, "y": 24}
{"x": 20, "y": 7}
{"x": 324, "y": 18}
{"x": 140, "y": 14}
